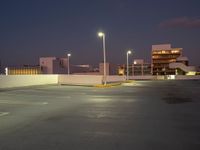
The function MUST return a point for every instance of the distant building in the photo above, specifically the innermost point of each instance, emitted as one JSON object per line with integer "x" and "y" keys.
{"x": 121, "y": 70}
{"x": 182, "y": 67}
{"x": 139, "y": 67}
{"x": 162, "y": 56}
{"x": 24, "y": 70}
{"x": 53, "y": 65}
{"x": 76, "y": 69}
{"x": 111, "y": 69}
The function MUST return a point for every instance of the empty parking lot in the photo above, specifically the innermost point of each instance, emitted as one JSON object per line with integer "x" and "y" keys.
{"x": 148, "y": 115}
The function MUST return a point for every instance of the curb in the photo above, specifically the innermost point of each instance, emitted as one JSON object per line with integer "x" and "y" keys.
{"x": 109, "y": 85}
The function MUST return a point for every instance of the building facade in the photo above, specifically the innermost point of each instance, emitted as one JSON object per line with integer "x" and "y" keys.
{"x": 29, "y": 70}
{"x": 140, "y": 67}
{"x": 54, "y": 65}
{"x": 182, "y": 67}
{"x": 111, "y": 69}
{"x": 162, "y": 55}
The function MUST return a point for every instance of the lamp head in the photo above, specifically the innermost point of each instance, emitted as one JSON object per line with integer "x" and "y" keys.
{"x": 100, "y": 34}
{"x": 68, "y": 55}
{"x": 129, "y": 52}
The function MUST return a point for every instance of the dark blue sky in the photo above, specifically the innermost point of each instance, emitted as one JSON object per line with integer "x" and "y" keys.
{"x": 33, "y": 28}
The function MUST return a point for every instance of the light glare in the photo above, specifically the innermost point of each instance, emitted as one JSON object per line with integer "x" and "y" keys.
{"x": 129, "y": 52}
{"x": 100, "y": 34}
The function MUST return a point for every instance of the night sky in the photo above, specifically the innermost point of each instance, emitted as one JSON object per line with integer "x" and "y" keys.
{"x": 33, "y": 28}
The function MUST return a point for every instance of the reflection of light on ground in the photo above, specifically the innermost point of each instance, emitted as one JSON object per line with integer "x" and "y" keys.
{"x": 98, "y": 115}
{"x": 9, "y": 102}
{"x": 143, "y": 83}
{"x": 4, "y": 114}
{"x": 100, "y": 99}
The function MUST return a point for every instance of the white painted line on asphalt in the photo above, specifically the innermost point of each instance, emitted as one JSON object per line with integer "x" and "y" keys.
{"x": 99, "y": 96}
{"x": 4, "y": 114}
{"x": 113, "y": 96}
{"x": 64, "y": 97}
{"x": 100, "y": 99}
{"x": 45, "y": 103}
{"x": 38, "y": 96}
{"x": 21, "y": 103}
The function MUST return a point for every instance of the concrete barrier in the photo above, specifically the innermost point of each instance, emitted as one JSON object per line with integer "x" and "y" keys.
{"x": 146, "y": 77}
{"x": 113, "y": 78}
{"x": 166, "y": 77}
{"x": 88, "y": 79}
{"x": 183, "y": 77}
{"x": 80, "y": 79}
{"x": 12, "y": 81}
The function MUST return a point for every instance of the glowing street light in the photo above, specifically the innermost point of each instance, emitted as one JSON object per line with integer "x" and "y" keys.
{"x": 68, "y": 70}
{"x": 101, "y": 34}
{"x": 127, "y": 70}
{"x": 6, "y": 71}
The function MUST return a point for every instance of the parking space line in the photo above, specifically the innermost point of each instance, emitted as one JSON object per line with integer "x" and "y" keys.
{"x": 108, "y": 96}
{"x": 21, "y": 103}
{"x": 38, "y": 96}
{"x": 4, "y": 114}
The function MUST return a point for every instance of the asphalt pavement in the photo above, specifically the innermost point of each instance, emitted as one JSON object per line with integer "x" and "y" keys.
{"x": 148, "y": 115}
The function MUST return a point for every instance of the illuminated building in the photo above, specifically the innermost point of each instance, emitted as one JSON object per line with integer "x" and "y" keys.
{"x": 182, "y": 67}
{"x": 162, "y": 56}
{"x": 121, "y": 70}
{"x": 29, "y": 70}
{"x": 139, "y": 67}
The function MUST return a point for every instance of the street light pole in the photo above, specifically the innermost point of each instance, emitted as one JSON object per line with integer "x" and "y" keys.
{"x": 127, "y": 67}
{"x": 101, "y": 34}
{"x": 68, "y": 69}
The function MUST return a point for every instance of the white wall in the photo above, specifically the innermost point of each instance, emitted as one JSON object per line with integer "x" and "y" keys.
{"x": 115, "y": 78}
{"x": 182, "y": 77}
{"x": 11, "y": 81}
{"x": 80, "y": 79}
{"x": 87, "y": 79}
{"x": 146, "y": 77}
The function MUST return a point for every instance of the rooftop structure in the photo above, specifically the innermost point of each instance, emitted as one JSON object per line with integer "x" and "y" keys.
{"x": 53, "y": 65}
{"x": 162, "y": 56}
{"x": 140, "y": 67}
{"x": 111, "y": 69}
